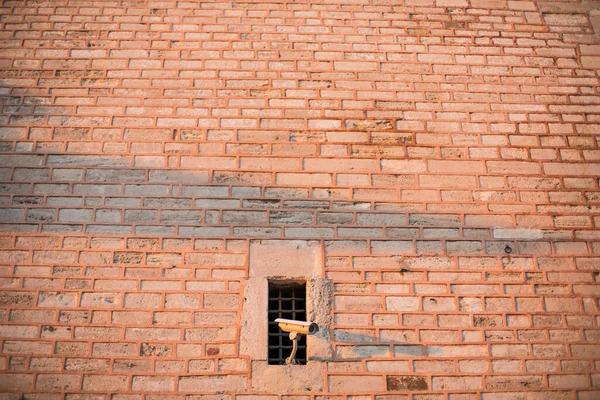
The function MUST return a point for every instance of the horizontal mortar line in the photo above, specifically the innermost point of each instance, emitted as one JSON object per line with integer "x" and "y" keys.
{"x": 320, "y": 237}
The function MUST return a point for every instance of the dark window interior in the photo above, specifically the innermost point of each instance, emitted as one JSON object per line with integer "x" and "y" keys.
{"x": 286, "y": 300}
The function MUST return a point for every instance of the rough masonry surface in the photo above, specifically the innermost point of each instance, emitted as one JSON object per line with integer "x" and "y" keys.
{"x": 438, "y": 159}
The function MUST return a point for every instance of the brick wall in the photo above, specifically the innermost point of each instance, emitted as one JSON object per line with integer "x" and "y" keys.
{"x": 444, "y": 155}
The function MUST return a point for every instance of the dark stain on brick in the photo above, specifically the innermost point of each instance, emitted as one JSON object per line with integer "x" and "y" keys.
{"x": 21, "y": 200}
{"x": 406, "y": 383}
{"x": 127, "y": 258}
{"x": 155, "y": 350}
{"x": 12, "y": 299}
{"x": 453, "y": 24}
{"x": 483, "y": 321}
{"x": 212, "y": 351}
{"x": 46, "y": 328}
{"x": 308, "y": 136}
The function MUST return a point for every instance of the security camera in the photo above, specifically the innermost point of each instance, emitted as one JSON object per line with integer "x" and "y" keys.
{"x": 296, "y": 330}
{"x": 303, "y": 327}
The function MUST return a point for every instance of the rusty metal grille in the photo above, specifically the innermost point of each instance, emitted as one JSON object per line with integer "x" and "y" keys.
{"x": 286, "y": 300}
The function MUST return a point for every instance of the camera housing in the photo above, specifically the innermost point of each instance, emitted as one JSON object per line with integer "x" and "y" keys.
{"x": 302, "y": 327}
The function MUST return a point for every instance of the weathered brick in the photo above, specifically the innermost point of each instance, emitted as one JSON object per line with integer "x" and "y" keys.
{"x": 57, "y": 382}
{"x": 212, "y": 383}
{"x": 16, "y": 381}
{"x": 358, "y": 303}
{"x": 220, "y": 301}
{"x": 57, "y": 299}
{"x": 143, "y": 300}
{"x": 115, "y": 349}
{"x": 153, "y": 383}
{"x": 182, "y": 301}
{"x": 456, "y": 383}
{"x": 105, "y": 383}
{"x": 355, "y": 383}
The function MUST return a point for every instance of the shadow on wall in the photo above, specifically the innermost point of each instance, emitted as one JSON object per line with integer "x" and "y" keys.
{"x": 357, "y": 346}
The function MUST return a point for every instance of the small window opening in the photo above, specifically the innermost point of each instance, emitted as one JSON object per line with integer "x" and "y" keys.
{"x": 287, "y": 299}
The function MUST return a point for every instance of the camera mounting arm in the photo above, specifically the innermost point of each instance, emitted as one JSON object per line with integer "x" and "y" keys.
{"x": 294, "y": 337}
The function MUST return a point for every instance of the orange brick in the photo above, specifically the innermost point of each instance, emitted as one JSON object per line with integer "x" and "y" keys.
{"x": 445, "y": 177}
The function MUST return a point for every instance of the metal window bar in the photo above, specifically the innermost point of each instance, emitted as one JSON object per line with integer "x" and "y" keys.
{"x": 286, "y": 300}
